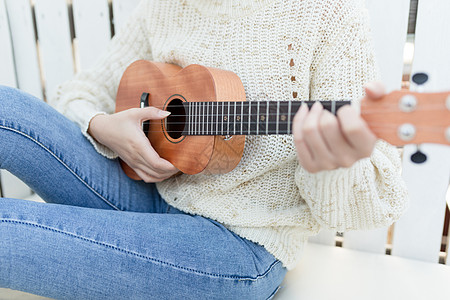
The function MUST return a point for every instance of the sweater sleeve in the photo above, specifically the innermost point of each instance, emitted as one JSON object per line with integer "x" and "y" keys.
{"x": 371, "y": 193}
{"x": 93, "y": 91}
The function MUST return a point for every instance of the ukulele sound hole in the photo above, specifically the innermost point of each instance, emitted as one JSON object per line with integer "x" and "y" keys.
{"x": 175, "y": 122}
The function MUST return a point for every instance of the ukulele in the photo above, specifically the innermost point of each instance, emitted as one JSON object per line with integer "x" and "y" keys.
{"x": 210, "y": 118}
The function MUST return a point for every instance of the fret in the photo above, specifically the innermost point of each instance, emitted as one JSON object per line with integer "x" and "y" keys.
{"x": 225, "y": 118}
{"x": 257, "y": 117}
{"x": 262, "y": 117}
{"x": 245, "y": 118}
{"x": 267, "y": 117}
{"x": 283, "y": 118}
{"x": 189, "y": 126}
{"x": 216, "y": 118}
{"x": 272, "y": 126}
{"x": 238, "y": 118}
{"x": 202, "y": 108}
{"x": 278, "y": 117}
{"x": 221, "y": 116}
{"x": 253, "y": 112}
{"x": 234, "y": 118}
{"x": 249, "y": 117}
{"x": 242, "y": 118}
{"x": 228, "y": 118}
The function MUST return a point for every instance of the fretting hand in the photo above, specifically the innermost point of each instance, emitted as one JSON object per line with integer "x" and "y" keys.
{"x": 122, "y": 133}
{"x": 327, "y": 142}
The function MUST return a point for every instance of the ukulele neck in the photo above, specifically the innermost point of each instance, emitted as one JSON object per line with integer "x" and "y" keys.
{"x": 245, "y": 118}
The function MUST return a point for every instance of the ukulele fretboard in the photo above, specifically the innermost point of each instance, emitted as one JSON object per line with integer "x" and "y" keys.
{"x": 245, "y": 118}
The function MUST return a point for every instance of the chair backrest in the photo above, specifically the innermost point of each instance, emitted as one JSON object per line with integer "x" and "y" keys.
{"x": 45, "y": 42}
{"x": 419, "y": 233}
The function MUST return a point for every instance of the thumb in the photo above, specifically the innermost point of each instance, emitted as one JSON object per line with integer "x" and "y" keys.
{"x": 375, "y": 90}
{"x": 152, "y": 113}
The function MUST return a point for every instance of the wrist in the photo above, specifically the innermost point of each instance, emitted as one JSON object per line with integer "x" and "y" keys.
{"x": 95, "y": 124}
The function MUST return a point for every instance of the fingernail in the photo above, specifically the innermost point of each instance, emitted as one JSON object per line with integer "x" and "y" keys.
{"x": 317, "y": 106}
{"x": 164, "y": 113}
{"x": 375, "y": 86}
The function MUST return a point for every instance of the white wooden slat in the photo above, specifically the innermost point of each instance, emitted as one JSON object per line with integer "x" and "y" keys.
{"x": 122, "y": 9}
{"x": 12, "y": 187}
{"x": 325, "y": 237}
{"x": 389, "y": 22}
{"x": 432, "y": 44}
{"x": 418, "y": 234}
{"x": 52, "y": 20}
{"x": 92, "y": 29}
{"x": 7, "y": 69}
{"x": 24, "y": 45}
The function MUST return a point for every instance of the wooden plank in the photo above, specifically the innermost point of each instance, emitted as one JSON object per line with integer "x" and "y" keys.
{"x": 12, "y": 187}
{"x": 92, "y": 29}
{"x": 52, "y": 20}
{"x": 418, "y": 234}
{"x": 389, "y": 22}
{"x": 432, "y": 44}
{"x": 122, "y": 9}
{"x": 7, "y": 70}
{"x": 24, "y": 45}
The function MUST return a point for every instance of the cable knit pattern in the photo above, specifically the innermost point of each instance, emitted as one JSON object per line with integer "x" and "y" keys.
{"x": 281, "y": 50}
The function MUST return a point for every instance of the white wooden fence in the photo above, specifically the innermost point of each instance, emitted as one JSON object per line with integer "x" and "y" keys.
{"x": 44, "y": 42}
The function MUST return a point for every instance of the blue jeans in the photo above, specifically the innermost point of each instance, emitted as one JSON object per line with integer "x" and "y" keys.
{"x": 102, "y": 235}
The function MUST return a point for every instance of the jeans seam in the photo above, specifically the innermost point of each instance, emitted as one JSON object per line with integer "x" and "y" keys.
{"x": 145, "y": 257}
{"x": 62, "y": 163}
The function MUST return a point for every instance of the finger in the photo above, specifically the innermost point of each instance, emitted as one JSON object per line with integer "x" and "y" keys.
{"x": 375, "y": 90}
{"x": 146, "y": 177}
{"x": 304, "y": 154}
{"x": 342, "y": 151}
{"x": 313, "y": 137}
{"x": 356, "y": 131}
{"x": 151, "y": 113}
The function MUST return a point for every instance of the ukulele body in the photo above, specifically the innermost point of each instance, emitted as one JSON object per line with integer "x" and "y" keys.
{"x": 168, "y": 86}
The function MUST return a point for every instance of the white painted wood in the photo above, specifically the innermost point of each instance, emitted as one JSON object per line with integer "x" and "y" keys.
{"x": 432, "y": 44}
{"x": 389, "y": 22}
{"x": 325, "y": 237}
{"x": 418, "y": 234}
{"x": 122, "y": 9}
{"x": 7, "y": 69}
{"x": 24, "y": 45}
{"x": 366, "y": 240}
{"x": 12, "y": 187}
{"x": 92, "y": 29}
{"x": 52, "y": 20}
{"x": 327, "y": 273}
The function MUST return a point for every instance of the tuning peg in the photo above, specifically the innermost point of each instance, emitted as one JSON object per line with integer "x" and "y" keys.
{"x": 420, "y": 78}
{"x": 418, "y": 157}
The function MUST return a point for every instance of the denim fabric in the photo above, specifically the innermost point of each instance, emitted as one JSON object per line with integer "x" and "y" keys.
{"x": 102, "y": 235}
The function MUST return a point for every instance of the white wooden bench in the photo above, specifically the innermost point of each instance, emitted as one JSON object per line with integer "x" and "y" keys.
{"x": 359, "y": 268}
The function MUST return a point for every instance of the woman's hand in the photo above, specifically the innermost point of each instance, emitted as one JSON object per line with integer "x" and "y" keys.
{"x": 326, "y": 142}
{"x": 122, "y": 133}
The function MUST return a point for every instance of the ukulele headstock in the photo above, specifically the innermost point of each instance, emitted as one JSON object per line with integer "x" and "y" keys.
{"x": 405, "y": 117}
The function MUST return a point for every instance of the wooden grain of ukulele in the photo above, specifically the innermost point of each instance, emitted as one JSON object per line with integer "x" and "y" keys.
{"x": 210, "y": 118}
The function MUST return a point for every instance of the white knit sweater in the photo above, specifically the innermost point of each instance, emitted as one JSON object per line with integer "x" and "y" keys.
{"x": 281, "y": 50}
